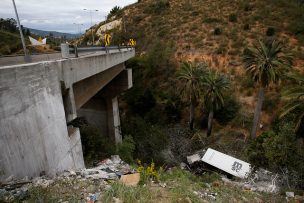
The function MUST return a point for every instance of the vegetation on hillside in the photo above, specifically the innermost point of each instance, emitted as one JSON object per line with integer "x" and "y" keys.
{"x": 171, "y": 92}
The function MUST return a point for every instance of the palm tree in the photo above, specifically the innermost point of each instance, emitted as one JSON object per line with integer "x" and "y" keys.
{"x": 295, "y": 99}
{"x": 214, "y": 85}
{"x": 265, "y": 64}
{"x": 189, "y": 75}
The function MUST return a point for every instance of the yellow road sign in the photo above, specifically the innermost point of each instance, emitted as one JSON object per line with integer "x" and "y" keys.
{"x": 107, "y": 39}
{"x": 132, "y": 42}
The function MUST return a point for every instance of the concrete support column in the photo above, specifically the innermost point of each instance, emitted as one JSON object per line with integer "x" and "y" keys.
{"x": 69, "y": 105}
{"x": 114, "y": 119}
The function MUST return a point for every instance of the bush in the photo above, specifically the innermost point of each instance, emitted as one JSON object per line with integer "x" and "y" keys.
{"x": 95, "y": 146}
{"x": 280, "y": 148}
{"x": 279, "y": 151}
{"x": 255, "y": 151}
{"x": 228, "y": 111}
{"x": 149, "y": 139}
{"x": 246, "y": 27}
{"x": 116, "y": 11}
{"x": 158, "y": 7}
{"x": 217, "y": 31}
{"x": 232, "y": 18}
{"x": 140, "y": 101}
{"x": 270, "y": 31}
{"x": 270, "y": 103}
{"x": 126, "y": 149}
{"x": 297, "y": 27}
{"x": 211, "y": 20}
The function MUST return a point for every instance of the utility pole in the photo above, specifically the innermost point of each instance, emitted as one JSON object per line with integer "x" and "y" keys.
{"x": 26, "y": 57}
{"x": 90, "y": 10}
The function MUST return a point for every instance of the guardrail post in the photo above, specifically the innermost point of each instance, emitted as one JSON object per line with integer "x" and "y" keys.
{"x": 76, "y": 51}
{"x": 65, "y": 52}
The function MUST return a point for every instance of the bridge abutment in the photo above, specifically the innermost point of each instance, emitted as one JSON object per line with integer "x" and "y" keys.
{"x": 38, "y": 99}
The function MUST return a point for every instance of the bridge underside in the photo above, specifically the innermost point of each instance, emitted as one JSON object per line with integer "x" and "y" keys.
{"x": 101, "y": 104}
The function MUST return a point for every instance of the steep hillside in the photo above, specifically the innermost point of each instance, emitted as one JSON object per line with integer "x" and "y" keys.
{"x": 204, "y": 29}
{"x": 9, "y": 43}
{"x": 214, "y": 32}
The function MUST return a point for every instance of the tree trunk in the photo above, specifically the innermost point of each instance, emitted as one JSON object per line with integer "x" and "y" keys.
{"x": 210, "y": 120}
{"x": 191, "y": 123}
{"x": 257, "y": 112}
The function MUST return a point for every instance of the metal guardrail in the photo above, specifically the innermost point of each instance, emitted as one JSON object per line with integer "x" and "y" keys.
{"x": 75, "y": 50}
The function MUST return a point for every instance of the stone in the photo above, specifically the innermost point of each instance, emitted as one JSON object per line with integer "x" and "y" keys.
{"x": 130, "y": 180}
{"x": 299, "y": 198}
{"x": 115, "y": 159}
{"x": 116, "y": 200}
{"x": 290, "y": 194}
{"x": 247, "y": 187}
{"x": 193, "y": 158}
{"x": 10, "y": 178}
{"x": 183, "y": 166}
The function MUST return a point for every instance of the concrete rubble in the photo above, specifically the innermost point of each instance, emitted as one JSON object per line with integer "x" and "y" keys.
{"x": 108, "y": 169}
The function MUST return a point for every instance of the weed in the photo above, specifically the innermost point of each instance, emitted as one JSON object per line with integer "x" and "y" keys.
{"x": 147, "y": 173}
{"x": 233, "y": 17}
{"x": 270, "y": 31}
{"x": 217, "y": 31}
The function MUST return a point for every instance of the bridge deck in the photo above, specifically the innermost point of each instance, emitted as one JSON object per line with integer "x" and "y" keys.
{"x": 15, "y": 60}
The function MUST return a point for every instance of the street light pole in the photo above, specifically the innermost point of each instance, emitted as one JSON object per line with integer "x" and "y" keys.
{"x": 90, "y": 10}
{"x": 21, "y": 34}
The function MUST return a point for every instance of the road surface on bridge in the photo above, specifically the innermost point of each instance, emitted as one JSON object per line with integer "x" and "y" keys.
{"x": 15, "y": 60}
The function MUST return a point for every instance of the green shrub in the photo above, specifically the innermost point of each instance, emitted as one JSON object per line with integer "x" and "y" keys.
{"x": 233, "y": 18}
{"x": 270, "y": 103}
{"x": 246, "y": 27}
{"x": 140, "y": 101}
{"x": 297, "y": 27}
{"x": 270, "y": 31}
{"x": 195, "y": 13}
{"x": 211, "y": 20}
{"x": 126, "y": 149}
{"x": 217, "y": 31}
{"x": 279, "y": 151}
{"x": 116, "y": 11}
{"x": 247, "y": 7}
{"x": 228, "y": 111}
{"x": 280, "y": 148}
{"x": 95, "y": 146}
{"x": 255, "y": 151}
{"x": 158, "y": 7}
{"x": 149, "y": 139}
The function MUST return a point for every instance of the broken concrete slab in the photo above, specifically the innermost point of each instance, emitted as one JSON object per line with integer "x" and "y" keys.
{"x": 227, "y": 163}
{"x": 193, "y": 158}
{"x": 130, "y": 179}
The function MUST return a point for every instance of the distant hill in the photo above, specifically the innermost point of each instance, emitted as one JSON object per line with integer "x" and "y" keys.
{"x": 55, "y": 33}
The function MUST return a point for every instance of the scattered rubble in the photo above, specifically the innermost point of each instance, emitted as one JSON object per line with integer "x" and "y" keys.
{"x": 193, "y": 158}
{"x": 205, "y": 194}
{"x": 130, "y": 179}
{"x": 108, "y": 169}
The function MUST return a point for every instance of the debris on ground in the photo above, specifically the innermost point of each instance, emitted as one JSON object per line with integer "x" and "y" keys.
{"x": 193, "y": 158}
{"x": 258, "y": 181}
{"x": 205, "y": 194}
{"x": 108, "y": 169}
{"x": 130, "y": 179}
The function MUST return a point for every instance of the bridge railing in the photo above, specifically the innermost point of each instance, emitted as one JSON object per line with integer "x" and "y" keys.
{"x": 75, "y": 50}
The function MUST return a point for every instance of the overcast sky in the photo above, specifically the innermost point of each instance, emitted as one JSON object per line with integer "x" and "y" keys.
{"x": 59, "y": 15}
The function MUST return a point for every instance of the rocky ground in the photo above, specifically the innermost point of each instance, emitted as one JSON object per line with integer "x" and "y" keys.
{"x": 112, "y": 180}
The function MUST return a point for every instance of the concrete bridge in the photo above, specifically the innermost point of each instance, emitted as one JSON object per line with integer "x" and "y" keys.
{"x": 38, "y": 99}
